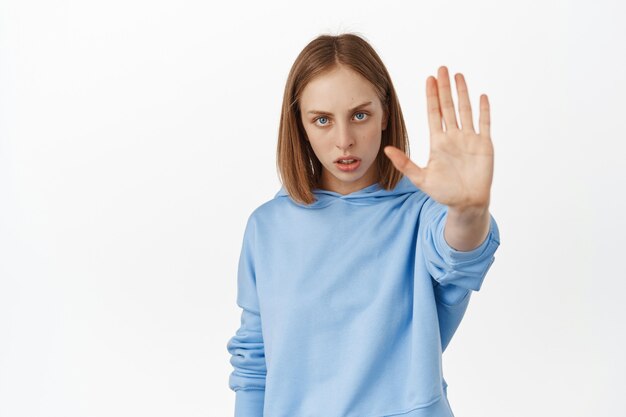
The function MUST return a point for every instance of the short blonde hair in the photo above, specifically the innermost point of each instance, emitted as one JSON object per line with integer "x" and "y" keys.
{"x": 299, "y": 168}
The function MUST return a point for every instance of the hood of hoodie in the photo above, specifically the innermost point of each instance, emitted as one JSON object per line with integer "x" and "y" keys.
{"x": 365, "y": 196}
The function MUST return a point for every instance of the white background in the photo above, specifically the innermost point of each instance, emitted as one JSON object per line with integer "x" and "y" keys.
{"x": 137, "y": 136}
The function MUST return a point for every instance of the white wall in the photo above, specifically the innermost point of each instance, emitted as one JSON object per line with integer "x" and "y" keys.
{"x": 137, "y": 136}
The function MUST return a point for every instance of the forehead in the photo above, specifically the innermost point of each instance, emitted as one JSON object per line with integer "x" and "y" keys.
{"x": 340, "y": 88}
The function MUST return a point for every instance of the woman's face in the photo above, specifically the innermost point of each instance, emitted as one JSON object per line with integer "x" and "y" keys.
{"x": 343, "y": 117}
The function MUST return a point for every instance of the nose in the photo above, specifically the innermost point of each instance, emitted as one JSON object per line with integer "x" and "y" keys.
{"x": 345, "y": 137}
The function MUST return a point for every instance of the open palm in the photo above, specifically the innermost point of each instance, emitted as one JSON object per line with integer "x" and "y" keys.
{"x": 460, "y": 165}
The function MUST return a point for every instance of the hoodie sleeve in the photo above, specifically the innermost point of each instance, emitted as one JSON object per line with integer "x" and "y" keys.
{"x": 455, "y": 273}
{"x": 246, "y": 347}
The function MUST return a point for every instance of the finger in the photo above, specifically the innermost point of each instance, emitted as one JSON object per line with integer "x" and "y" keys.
{"x": 432, "y": 105}
{"x": 484, "y": 120}
{"x": 465, "y": 107}
{"x": 445, "y": 99}
{"x": 405, "y": 165}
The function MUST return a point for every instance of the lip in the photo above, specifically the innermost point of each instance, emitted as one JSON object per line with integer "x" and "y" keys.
{"x": 348, "y": 168}
{"x": 347, "y": 157}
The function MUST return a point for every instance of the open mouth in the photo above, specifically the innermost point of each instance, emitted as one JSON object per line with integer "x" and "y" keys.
{"x": 348, "y": 164}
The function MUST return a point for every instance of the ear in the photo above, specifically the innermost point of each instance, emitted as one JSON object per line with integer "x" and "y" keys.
{"x": 385, "y": 120}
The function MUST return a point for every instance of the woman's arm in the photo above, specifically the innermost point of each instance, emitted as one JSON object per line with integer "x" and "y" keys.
{"x": 466, "y": 229}
{"x": 247, "y": 347}
{"x": 455, "y": 274}
{"x": 460, "y": 166}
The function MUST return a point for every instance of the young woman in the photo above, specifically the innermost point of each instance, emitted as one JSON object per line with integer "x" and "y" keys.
{"x": 354, "y": 277}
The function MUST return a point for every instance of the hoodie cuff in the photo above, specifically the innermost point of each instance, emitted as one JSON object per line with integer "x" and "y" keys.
{"x": 249, "y": 403}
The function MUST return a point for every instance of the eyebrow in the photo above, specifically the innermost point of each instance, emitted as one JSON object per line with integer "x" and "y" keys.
{"x": 351, "y": 110}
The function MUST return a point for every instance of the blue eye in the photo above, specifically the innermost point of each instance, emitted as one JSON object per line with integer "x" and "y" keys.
{"x": 319, "y": 118}
{"x": 326, "y": 118}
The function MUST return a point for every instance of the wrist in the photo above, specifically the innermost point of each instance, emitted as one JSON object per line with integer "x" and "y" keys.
{"x": 467, "y": 213}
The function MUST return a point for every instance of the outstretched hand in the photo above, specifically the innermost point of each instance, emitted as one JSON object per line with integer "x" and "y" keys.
{"x": 460, "y": 165}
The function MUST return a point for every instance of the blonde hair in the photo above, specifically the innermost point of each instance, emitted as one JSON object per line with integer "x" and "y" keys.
{"x": 299, "y": 168}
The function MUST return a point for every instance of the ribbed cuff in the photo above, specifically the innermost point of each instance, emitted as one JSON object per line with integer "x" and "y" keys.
{"x": 249, "y": 403}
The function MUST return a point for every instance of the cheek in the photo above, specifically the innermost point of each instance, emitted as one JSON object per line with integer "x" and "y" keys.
{"x": 372, "y": 132}
{"x": 317, "y": 144}
{"x": 317, "y": 138}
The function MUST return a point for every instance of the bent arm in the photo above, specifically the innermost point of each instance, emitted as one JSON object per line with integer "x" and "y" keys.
{"x": 455, "y": 274}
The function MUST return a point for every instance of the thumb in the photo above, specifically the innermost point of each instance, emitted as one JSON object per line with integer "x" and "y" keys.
{"x": 405, "y": 165}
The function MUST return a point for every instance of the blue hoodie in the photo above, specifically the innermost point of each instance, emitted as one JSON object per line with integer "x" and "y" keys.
{"x": 348, "y": 303}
